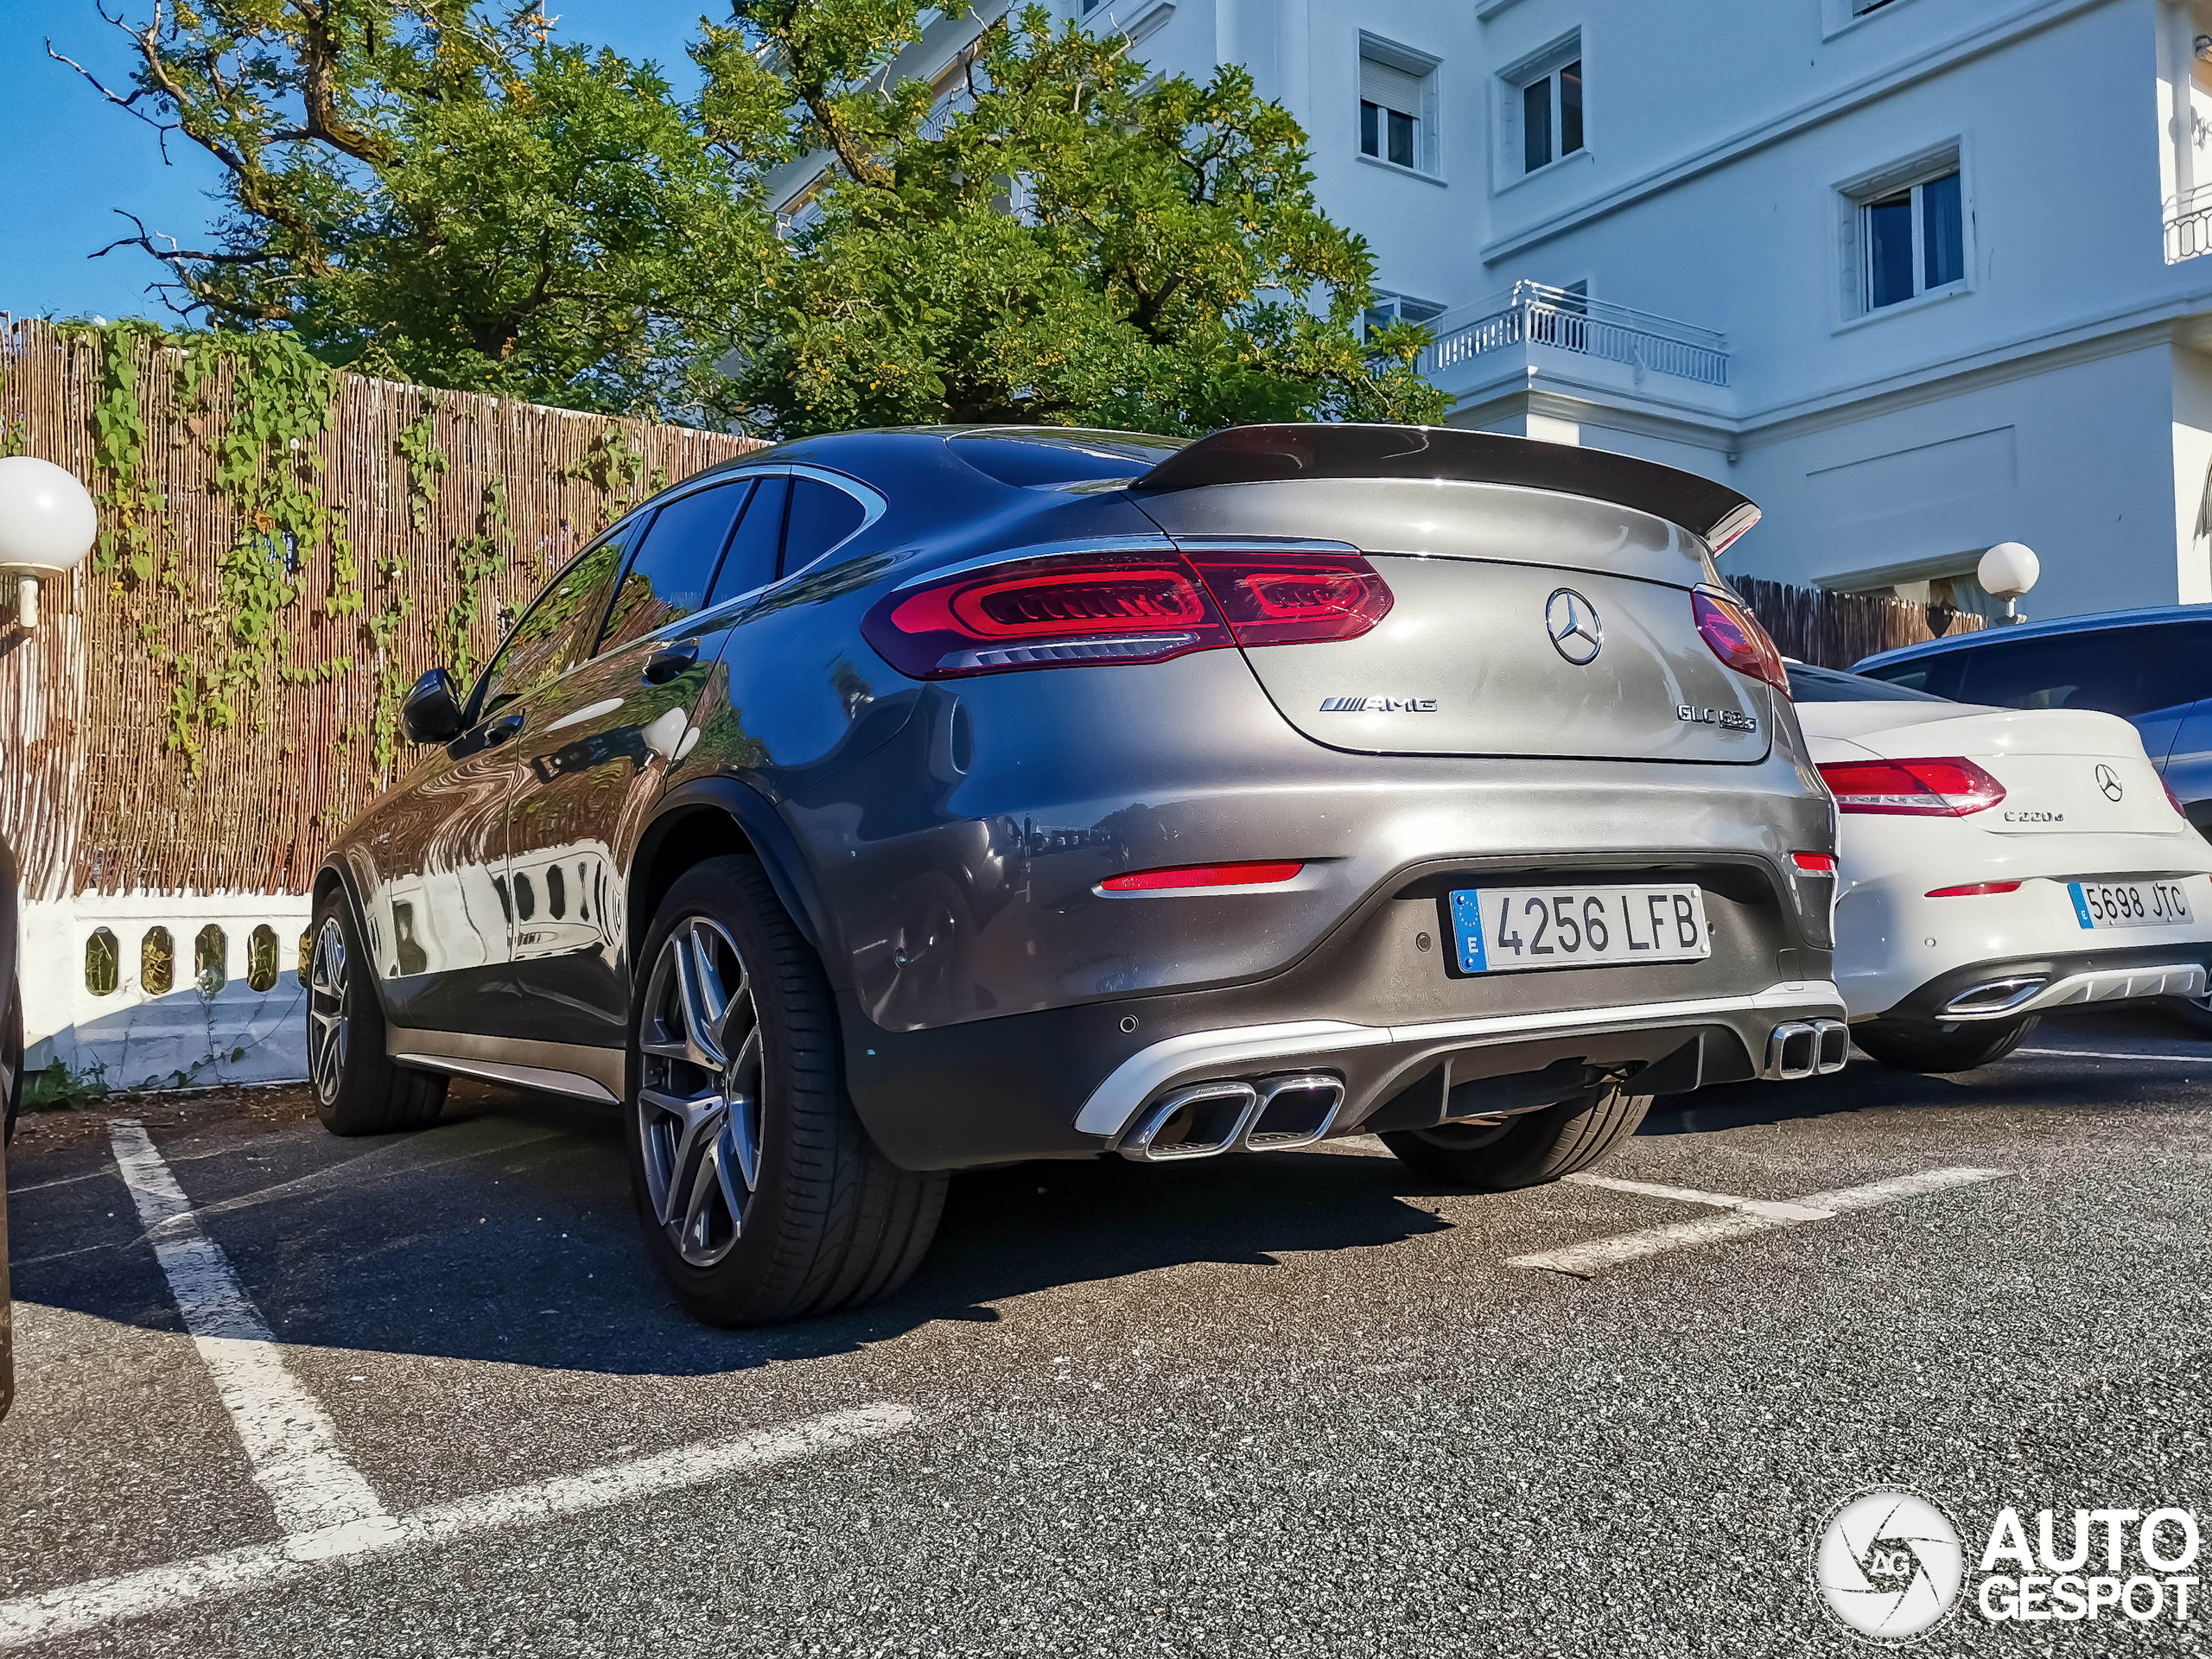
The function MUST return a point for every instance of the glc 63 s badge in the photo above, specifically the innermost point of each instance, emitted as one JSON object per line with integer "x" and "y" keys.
{"x": 1728, "y": 720}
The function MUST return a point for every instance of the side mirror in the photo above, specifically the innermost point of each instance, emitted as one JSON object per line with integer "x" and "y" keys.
{"x": 431, "y": 713}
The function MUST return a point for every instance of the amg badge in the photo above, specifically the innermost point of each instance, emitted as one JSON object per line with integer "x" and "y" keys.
{"x": 1378, "y": 705}
{"x": 1726, "y": 719}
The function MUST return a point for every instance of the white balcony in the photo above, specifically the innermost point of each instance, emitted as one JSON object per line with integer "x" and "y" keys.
{"x": 2188, "y": 225}
{"x": 1534, "y": 315}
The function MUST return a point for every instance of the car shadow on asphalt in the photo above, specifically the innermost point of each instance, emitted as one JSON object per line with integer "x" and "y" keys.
{"x": 507, "y": 1234}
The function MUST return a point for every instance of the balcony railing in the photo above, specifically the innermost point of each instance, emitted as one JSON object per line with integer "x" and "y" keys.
{"x": 2188, "y": 225}
{"x": 1535, "y": 314}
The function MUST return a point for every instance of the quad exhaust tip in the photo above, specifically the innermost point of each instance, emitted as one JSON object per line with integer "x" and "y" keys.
{"x": 1277, "y": 1115}
{"x": 1805, "y": 1048}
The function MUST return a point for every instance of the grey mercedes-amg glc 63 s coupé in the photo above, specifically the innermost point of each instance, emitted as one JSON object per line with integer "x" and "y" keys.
{"x": 888, "y": 804}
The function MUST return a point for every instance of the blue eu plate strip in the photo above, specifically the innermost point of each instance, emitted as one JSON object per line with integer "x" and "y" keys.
{"x": 2081, "y": 905}
{"x": 1467, "y": 931}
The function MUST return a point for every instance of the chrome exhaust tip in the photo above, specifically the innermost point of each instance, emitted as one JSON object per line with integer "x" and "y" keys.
{"x": 1793, "y": 1051}
{"x": 1194, "y": 1122}
{"x": 1997, "y": 996}
{"x": 1293, "y": 1111}
{"x": 1833, "y": 1048}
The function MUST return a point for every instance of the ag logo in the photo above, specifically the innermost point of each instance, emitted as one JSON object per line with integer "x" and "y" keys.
{"x": 1572, "y": 621}
{"x": 2108, "y": 781}
{"x": 1888, "y": 1563}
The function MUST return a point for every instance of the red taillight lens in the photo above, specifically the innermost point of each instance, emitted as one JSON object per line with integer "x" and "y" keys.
{"x": 1202, "y": 875}
{"x": 1737, "y": 639}
{"x": 2174, "y": 801}
{"x": 1083, "y": 609}
{"x": 1294, "y": 598}
{"x": 1940, "y": 789}
{"x": 1973, "y": 890}
{"x": 1816, "y": 863}
{"x": 1050, "y": 612}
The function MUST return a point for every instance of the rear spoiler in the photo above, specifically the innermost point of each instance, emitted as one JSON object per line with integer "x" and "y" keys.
{"x": 1257, "y": 454}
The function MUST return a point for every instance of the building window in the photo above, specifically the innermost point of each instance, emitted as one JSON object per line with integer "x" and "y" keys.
{"x": 1396, "y": 308}
{"x": 1544, "y": 105}
{"x": 1397, "y": 104}
{"x": 1908, "y": 233}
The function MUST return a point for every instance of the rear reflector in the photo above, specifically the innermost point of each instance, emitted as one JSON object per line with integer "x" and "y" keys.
{"x": 1816, "y": 863}
{"x": 1087, "y": 609}
{"x": 1973, "y": 890}
{"x": 1202, "y": 875}
{"x": 1736, "y": 638}
{"x": 1937, "y": 789}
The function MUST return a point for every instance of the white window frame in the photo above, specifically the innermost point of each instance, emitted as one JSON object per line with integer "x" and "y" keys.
{"x": 1429, "y": 138}
{"x": 1854, "y": 195}
{"x": 1395, "y": 304}
{"x": 1839, "y": 16}
{"x": 1511, "y": 83}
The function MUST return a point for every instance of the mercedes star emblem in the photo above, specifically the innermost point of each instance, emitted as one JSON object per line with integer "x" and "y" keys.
{"x": 2108, "y": 781}
{"x": 1572, "y": 621}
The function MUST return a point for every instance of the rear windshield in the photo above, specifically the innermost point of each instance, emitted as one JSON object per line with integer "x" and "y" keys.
{"x": 2124, "y": 670}
{"x": 1810, "y": 685}
{"x": 1080, "y": 457}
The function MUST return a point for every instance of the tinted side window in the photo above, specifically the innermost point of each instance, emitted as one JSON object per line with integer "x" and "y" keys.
{"x": 1811, "y": 685}
{"x": 751, "y": 561}
{"x": 821, "y": 516}
{"x": 555, "y": 633}
{"x": 2111, "y": 670}
{"x": 1936, "y": 676}
{"x": 673, "y": 566}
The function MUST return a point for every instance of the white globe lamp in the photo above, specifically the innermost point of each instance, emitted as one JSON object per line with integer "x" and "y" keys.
{"x": 48, "y": 524}
{"x": 2007, "y": 571}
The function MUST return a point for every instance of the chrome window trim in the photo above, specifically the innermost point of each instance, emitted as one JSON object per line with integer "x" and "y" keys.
{"x": 873, "y": 505}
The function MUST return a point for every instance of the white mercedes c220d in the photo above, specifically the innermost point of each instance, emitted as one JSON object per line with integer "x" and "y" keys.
{"x": 1995, "y": 864}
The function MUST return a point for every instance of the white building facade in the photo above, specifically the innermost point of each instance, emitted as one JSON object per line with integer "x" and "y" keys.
{"x": 1918, "y": 276}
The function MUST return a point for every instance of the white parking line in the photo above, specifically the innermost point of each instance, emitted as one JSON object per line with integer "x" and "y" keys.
{"x": 290, "y": 1442}
{"x": 327, "y": 1509}
{"x": 233, "y": 1572}
{"x": 1585, "y": 1260}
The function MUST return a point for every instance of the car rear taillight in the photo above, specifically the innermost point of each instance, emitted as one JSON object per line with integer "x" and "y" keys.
{"x": 1202, "y": 875}
{"x": 1737, "y": 639}
{"x": 1815, "y": 863}
{"x": 1079, "y": 610}
{"x": 2174, "y": 800}
{"x": 1285, "y": 598}
{"x": 1974, "y": 890}
{"x": 1938, "y": 789}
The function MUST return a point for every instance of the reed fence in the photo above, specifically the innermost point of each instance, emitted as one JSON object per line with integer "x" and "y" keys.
{"x": 92, "y": 795}
{"x": 1836, "y": 630}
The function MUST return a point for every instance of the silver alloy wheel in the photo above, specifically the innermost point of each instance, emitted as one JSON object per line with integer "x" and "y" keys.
{"x": 699, "y": 1091}
{"x": 327, "y": 1017}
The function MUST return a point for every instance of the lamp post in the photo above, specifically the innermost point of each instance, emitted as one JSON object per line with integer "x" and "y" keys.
{"x": 47, "y": 524}
{"x": 2006, "y": 571}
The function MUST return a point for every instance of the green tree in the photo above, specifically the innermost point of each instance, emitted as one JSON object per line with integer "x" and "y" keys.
{"x": 437, "y": 188}
{"x": 1058, "y": 242}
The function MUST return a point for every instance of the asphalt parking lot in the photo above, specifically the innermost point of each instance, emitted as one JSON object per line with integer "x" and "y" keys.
{"x": 1299, "y": 1403}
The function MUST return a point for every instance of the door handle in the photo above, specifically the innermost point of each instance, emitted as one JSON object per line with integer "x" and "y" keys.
{"x": 501, "y": 729}
{"x": 669, "y": 661}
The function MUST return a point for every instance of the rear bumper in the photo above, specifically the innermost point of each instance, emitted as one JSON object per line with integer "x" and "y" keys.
{"x": 2010, "y": 988}
{"x": 1071, "y": 1083}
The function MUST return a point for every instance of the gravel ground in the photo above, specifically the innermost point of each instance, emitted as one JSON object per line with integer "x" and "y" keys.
{"x": 1287, "y": 1404}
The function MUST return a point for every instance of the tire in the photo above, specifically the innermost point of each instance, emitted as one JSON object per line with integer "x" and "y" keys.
{"x": 1529, "y": 1150}
{"x": 356, "y": 1088}
{"x": 761, "y": 1196}
{"x": 1928, "y": 1045}
{"x": 11, "y": 1061}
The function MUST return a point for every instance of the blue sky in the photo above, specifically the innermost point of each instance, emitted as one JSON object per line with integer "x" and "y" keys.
{"x": 67, "y": 159}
